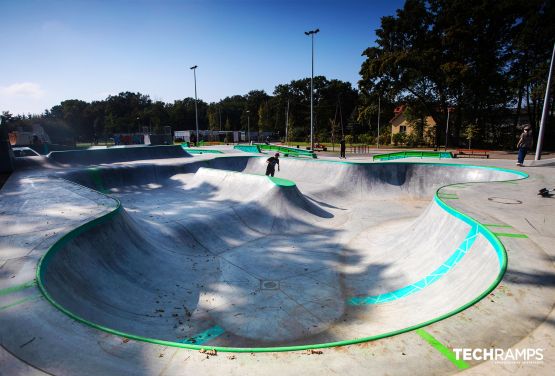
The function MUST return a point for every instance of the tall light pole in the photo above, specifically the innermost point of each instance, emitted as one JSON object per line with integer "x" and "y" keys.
{"x": 447, "y": 128}
{"x": 248, "y": 126}
{"x": 196, "y": 111}
{"x": 545, "y": 109}
{"x": 287, "y": 122}
{"x": 311, "y": 33}
{"x": 379, "y": 115}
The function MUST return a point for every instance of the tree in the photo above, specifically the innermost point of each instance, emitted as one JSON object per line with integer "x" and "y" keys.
{"x": 457, "y": 53}
{"x": 263, "y": 117}
{"x": 470, "y": 132}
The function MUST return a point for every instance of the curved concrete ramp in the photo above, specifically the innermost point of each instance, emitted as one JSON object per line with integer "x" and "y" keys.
{"x": 226, "y": 258}
{"x": 116, "y": 154}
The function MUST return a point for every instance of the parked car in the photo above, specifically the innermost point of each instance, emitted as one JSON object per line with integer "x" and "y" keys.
{"x": 24, "y": 151}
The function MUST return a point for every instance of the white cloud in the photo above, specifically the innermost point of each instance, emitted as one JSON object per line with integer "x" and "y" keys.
{"x": 22, "y": 89}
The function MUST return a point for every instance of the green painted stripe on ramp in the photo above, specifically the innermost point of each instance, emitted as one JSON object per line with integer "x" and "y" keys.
{"x": 13, "y": 289}
{"x": 444, "y": 350}
{"x": 509, "y": 235}
{"x": 21, "y": 301}
{"x": 494, "y": 225}
{"x": 205, "y": 336}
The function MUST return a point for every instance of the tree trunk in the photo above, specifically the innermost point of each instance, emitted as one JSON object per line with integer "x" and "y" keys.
{"x": 518, "y": 110}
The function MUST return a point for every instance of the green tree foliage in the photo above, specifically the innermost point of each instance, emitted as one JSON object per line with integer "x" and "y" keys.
{"x": 130, "y": 112}
{"x": 263, "y": 117}
{"x": 478, "y": 56}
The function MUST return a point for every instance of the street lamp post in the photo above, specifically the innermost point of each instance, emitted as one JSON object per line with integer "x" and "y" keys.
{"x": 311, "y": 33}
{"x": 447, "y": 129}
{"x": 248, "y": 126}
{"x": 194, "y": 68}
{"x": 379, "y": 116}
{"x": 545, "y": 109}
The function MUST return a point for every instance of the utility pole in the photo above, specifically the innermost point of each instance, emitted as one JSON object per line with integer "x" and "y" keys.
{"x": 220, "y": 113}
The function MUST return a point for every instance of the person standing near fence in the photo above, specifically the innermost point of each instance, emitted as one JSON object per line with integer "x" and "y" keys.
{"x": 342, "y": 149}
{"x": 525, "y": 143}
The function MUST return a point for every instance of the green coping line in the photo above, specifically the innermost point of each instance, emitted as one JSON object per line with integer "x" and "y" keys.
{"x": 444, "y": 350}
{"x": 20, "y": 287}
{"x": 495, "y": 225}
{"x": 43, "y": 263}
{"x": 21, "y": 301}
{"x": 509, "y": 235}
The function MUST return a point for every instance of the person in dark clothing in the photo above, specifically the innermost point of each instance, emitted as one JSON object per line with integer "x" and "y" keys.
{"x": 272, "y": 162}
{"x": 342, "y": 148}
{"x": 193, "y": 139}
{"x": 525, "y": 142}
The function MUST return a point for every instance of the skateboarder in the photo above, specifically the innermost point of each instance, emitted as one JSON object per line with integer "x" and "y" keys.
{"x": 272, "y": 162}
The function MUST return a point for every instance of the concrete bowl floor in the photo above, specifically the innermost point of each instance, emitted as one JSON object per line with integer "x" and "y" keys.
{"x": 213, "y": 253}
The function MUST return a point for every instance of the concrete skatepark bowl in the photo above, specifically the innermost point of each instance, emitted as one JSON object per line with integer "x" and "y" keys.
{"x": 209, "y": 253}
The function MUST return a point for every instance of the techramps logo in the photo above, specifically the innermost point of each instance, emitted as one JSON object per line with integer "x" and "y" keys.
{"x": 501, "y": 356}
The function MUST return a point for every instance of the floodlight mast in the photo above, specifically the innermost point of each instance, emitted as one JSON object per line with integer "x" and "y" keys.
{"x": 311, "y": 34}
{"x": 194, "y": 68}
{"x": 545, "y": 109}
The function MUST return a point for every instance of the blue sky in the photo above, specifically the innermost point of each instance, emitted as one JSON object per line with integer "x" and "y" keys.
{"x": 57, "y": 50}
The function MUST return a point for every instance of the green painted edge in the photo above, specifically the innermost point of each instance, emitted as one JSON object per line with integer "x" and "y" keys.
{"x": 413, "y": 154}
{"x": 495, "y": 225}
{"x": 75, "y": 232}
{"x": 20, "y": 287}
{"x": 444, "y": 350}
{"x": 247, "y": 148}
{"x": 508, "y": 235}
{"x": 282, "y": 182}
{"x": 201, "y": 151}
{"x": 288, "y": 150}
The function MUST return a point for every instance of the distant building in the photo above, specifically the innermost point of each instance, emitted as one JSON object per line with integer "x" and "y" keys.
{"x": 26, "y": 138}
{"x": 400, "y": 124}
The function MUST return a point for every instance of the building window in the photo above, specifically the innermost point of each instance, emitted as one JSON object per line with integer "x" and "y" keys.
{"x": 402, "y": 128}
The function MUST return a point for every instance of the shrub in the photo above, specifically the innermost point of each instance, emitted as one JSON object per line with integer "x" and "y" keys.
{"x": 399, "y": 138}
